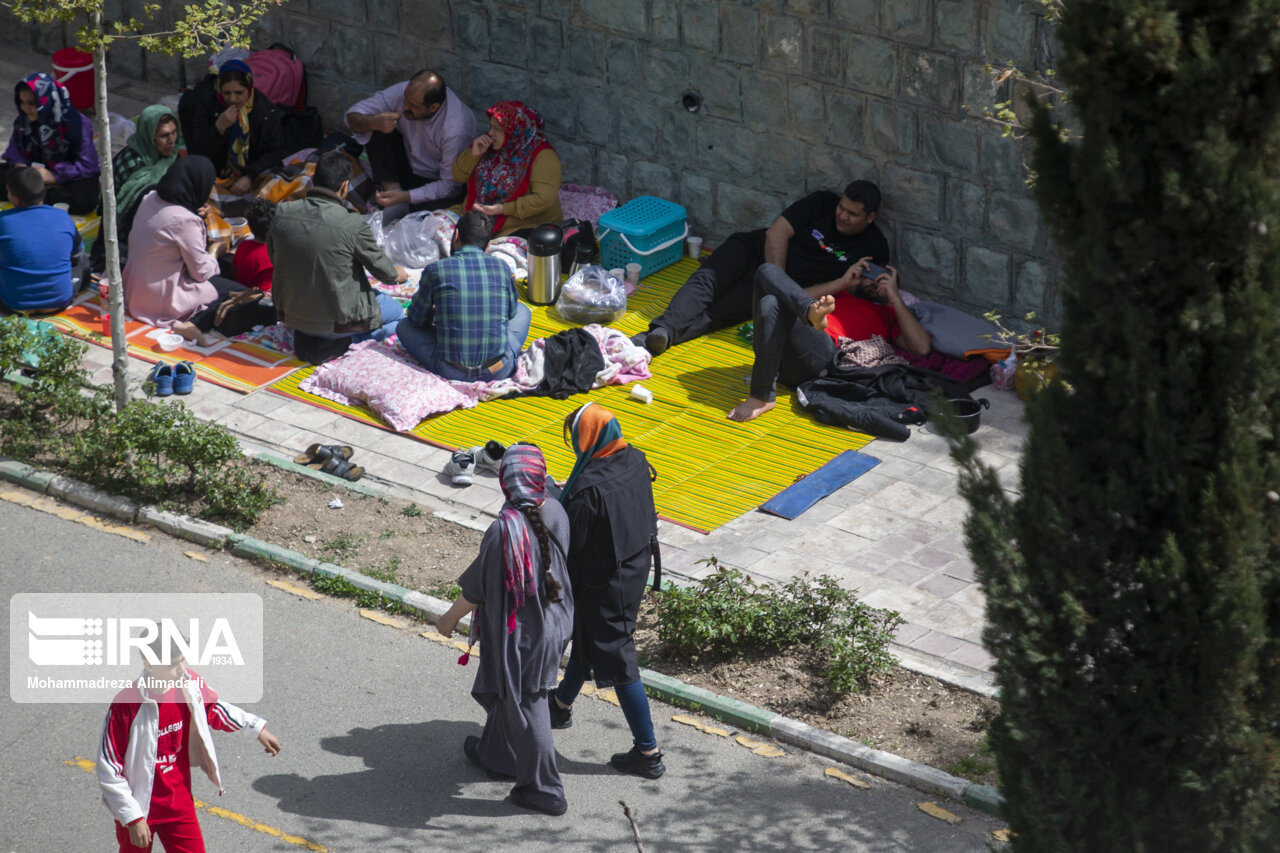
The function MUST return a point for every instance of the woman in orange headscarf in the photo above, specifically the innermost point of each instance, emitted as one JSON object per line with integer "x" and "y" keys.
{"x": 612, "y": 534}
{"x": 512, "y": 173}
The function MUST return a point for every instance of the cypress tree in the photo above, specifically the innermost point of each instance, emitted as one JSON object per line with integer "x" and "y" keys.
{"x": 1133, "y": 594}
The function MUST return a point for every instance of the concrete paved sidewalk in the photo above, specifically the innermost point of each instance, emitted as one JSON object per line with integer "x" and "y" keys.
{"x": 894, "y": 534}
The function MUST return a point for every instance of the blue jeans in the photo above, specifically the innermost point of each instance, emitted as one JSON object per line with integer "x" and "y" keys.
{"x": 422, "y": 343}
{"x": 632, "y": 698}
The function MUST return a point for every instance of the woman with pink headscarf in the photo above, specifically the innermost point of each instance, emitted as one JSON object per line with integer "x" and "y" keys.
{"x": 512, "y": 173}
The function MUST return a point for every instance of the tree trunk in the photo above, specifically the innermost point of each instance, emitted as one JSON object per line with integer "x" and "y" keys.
{"x": 107, "y": 229}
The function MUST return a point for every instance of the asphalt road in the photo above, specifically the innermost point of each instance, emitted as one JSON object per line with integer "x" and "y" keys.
{"x": 372, "y": 720}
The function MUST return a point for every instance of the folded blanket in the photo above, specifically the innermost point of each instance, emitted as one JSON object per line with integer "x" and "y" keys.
{"x": 956, "y": 333}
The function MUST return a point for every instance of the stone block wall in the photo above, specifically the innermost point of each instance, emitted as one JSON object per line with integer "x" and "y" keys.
{"x": 797, "y": 95}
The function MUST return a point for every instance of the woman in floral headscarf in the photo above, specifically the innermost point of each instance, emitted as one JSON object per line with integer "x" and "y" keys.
{"x": 512, "y": 173}
{"x": 520, "y": 585}
{"x": 227, "y": 120}
{"x": 51, "y": 135}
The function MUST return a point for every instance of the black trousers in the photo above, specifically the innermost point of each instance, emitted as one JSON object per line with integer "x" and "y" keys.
{"x": 719, "y": 294}
{"x": 389, "y": 163}
{"x": 80, "y": 196}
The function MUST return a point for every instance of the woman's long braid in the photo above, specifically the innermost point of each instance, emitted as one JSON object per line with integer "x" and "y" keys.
{"x": 550, "y": 586}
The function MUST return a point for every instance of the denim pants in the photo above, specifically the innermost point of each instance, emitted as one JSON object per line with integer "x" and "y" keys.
{"x": 786, "y": 346}
{"x": 632, "y": 698}
{"x": 423, "y": 344}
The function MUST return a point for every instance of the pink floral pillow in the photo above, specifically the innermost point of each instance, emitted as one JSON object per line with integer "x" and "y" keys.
{"x": 400, "y": 390}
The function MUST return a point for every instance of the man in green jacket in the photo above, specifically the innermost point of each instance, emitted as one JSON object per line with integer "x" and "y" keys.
{"x": 320, "y": 251}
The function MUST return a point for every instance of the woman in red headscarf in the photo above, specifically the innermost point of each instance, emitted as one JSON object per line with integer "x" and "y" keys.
{"x": 512, "y": 173}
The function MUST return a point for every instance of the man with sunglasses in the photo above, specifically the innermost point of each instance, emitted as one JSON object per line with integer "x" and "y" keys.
{"x": 816, "y": 241}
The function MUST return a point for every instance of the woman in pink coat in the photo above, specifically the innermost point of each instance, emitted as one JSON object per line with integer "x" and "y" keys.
{"x": 171, "y": 279}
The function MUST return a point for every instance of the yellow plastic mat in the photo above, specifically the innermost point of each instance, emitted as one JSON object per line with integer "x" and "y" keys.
{"x": 710, "y": 470}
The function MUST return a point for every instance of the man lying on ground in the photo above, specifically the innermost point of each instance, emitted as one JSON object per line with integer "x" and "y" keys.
{"x": 814, "y": 241}
{"x": 797, "y": 330}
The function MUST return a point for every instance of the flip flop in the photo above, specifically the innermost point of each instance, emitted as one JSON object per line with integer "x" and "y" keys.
{"x": 339, "y": 467}
{"x": 184, "y": 377}
{"x": 162, "y": 378}
{"x": 321, "y": 452}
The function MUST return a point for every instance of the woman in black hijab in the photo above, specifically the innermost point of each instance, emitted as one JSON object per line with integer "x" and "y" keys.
{"x": 171, "y": 279}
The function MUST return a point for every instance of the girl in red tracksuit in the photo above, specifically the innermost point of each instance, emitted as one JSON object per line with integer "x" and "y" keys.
{"x": 150, "y": 742}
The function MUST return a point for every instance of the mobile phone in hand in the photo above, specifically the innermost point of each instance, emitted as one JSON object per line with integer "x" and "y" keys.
{"x": 874, "y": 271}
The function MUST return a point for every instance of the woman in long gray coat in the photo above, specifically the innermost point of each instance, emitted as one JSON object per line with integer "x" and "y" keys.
{"x": 520, "y": 586}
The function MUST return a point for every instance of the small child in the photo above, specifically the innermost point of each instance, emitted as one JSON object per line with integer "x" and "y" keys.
{"x": 148, "y": 748}
{"x": 252, "y": 265}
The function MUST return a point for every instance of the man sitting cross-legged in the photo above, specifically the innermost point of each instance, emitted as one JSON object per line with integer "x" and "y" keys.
{"x": 797, "y": 329}
{"x": 466, "y": 322}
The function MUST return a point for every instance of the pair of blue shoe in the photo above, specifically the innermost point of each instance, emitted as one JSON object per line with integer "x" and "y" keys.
{"x": 178, "y": 379}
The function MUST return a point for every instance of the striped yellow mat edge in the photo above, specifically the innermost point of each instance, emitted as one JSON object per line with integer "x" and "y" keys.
{"x": 710, "y": 470}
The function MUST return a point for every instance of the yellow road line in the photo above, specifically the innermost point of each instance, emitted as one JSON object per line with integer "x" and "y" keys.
{"x": 219, "y": 812}
{"x": 384, "y": 619}
{"x": 52, "y": 507}
{"x": 300, "y": 591}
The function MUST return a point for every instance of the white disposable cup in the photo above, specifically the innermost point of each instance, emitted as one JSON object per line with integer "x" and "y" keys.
{"x": 694, "y": 247}
{"x": 63, "y": 206}
{"x": 641, "y": 393}
{"x": 619, "y": 274}
{"x": 633, "y": 273}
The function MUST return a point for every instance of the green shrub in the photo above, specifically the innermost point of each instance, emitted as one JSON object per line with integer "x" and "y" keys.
{"x": 162, "y": 454}
{"x": 56, "y": 401}
{"x": 729, "y": 615}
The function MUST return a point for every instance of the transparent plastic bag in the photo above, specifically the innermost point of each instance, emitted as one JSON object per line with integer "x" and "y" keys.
{"x": 592, "y": 295}
{"x": 411, "y": 242}
{"x": 375, "y": 225}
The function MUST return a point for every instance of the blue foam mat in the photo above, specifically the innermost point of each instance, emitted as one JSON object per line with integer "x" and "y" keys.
{"x": 799, "y": 496}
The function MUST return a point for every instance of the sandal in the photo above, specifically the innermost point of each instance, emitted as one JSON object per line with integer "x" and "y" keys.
{"x": 322, "y": 452}
{"x": 339, "y": 467}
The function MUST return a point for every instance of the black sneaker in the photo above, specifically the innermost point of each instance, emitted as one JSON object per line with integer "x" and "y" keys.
{"x": 637, "y": 763}
{"x": 657, "y": 341}
{"x": 561, "y": 718}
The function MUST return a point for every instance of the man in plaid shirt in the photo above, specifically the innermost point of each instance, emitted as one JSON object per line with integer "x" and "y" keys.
{"x": 466, "y": 322}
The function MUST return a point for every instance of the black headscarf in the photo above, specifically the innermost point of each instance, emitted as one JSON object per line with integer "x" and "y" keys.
{"x": 188, "y": 182}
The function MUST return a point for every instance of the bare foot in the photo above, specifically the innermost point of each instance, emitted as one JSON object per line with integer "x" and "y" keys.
{"x": 818, "y": 311}
{"x": 189, "y": 332}
{"x": 751, "y": 408}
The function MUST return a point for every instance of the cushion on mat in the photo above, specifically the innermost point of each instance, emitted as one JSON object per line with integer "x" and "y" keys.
{"x": 400, "y": 391}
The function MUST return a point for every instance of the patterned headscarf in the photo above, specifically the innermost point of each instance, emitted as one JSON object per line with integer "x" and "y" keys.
{"x": 523, "y": 476}
{"x": 595, "y": 434}
{"x": 52, "y": 137}
{"x": 500, "y": 172}
{"x": 143, "y": 144}
{"x": 238, "y": 133}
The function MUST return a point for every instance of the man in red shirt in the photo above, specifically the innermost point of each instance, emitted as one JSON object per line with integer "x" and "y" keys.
{"x": 147, "y": 751}
{"x": 797, "y": 329}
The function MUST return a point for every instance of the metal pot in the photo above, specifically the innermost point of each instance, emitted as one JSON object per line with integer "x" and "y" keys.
{"x": 545, "y": 243}
{"x": 970, "y": 411}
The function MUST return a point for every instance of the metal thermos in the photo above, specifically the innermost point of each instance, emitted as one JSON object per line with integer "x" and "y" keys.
{"x": 583, "y": 255}
{"x": 545, "y": 243}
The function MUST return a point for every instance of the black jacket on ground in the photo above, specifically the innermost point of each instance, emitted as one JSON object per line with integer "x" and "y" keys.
{"x": 572, "y": 361}
{"x": 869, "y": 398}
{"x": 612, "y": 522}
{"x": 199, "y": 109}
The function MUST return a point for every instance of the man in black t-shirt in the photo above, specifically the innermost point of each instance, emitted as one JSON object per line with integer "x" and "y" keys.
{"x": 816, "y": 241}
